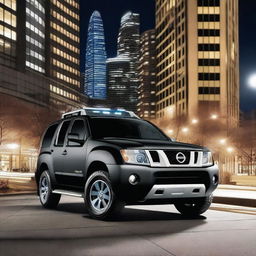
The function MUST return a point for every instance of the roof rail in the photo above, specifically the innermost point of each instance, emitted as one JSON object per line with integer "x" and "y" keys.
{"x": 100, "y": 112}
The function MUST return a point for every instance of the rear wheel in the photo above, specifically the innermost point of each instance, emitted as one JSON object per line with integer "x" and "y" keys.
{"x": 196, "y": 208}
{"x": 47, "y": 198}
{"x": 100, "y": 198}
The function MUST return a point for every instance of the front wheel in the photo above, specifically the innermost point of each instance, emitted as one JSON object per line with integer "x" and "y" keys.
{"x": 47, "y": 198}
{"x": 100, "y": 198}
{"x": 196, "y": 208}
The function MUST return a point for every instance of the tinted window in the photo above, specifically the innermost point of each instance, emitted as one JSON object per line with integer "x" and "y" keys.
{"x": 125, "y": 128}
{"x": 79, "y": 129}
{"x": 47, "y": 140}
{"x": 62, "y": 134}
{"x": 209, "y": 90}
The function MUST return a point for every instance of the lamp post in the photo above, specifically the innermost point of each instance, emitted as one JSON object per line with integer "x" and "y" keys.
{"x": 1, "y": 134}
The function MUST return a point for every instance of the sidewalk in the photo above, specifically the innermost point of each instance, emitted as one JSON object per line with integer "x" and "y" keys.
{"x": 235, "y": 195}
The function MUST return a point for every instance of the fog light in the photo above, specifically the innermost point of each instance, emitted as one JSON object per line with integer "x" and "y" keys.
{"x": 133, "y": 179}
{"x": 215, "y": 179}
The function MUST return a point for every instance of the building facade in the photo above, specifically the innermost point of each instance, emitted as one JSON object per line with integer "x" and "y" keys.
{"x": 146, "y": 107}
{"x": 197, "y": 59}
{"x": 39, "y": 51}
{"x": 118, "y": 81}
{"x": 128, "y": 45}
{"x": 63, "y": 48}
{"x": 95, "y": 65}
{"x": 39, "y": 67}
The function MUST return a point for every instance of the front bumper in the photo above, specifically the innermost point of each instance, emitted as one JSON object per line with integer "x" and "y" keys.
{"x": 161, "y": 184}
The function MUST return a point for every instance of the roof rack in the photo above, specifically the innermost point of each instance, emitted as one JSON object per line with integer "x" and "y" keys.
{"x": 100, "y": 112}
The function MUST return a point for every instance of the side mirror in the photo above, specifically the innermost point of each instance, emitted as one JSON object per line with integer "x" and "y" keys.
{"x": 74, "y": 137}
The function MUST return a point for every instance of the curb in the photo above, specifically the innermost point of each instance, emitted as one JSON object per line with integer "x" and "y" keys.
{"x": 235, "y": 201}
{"x": 25, "y": 193}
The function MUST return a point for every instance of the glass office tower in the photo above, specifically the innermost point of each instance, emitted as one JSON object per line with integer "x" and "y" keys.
{"x": 129, "y": 45}
{"x": 95, "y": 66}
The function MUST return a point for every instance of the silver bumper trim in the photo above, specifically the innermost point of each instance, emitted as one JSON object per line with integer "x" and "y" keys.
{"x": 176, "y": 191}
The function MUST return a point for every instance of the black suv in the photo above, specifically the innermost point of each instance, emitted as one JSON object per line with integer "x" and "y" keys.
{"x": 112, "y": 158}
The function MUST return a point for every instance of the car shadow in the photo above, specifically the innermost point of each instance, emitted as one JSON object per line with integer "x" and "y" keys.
{"x": 130, "y": 214}
{"x": 127, "y": 214}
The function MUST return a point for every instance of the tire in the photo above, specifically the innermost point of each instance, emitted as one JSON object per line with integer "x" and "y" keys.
{"x": 47, "y": 198}
{"x": 194, "y": 209}
{"x": 100, "y": 198}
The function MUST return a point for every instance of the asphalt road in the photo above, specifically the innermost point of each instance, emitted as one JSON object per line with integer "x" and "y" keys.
{"x": 27, "y": 229}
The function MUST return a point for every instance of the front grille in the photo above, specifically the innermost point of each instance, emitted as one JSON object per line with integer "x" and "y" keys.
{"x": 183, "y": 177}
{"x": 175, "y": 157}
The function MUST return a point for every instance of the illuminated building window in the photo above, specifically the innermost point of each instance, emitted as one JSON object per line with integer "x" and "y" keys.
{"x": 35, "y": 35}
{"x": 9, "y": 3}
{"x": 7, "y": 32}
{"x": 64, "y": 32}
{"x": 65, "y": 9}
{"x": 65, "y": 20}
{"x": 7, "y": 17}
{"x": 64, "y": 43}
{"x": 66, "y": 78}
{"x": 65, "y": 55}
{"x": 62, "y": 92}
{"x": 65, "y": 67}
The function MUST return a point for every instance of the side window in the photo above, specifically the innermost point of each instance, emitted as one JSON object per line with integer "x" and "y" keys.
{"x": 62, "y": 133}
{"x": 47, "y": 140}
{"x": 79, "y": 130}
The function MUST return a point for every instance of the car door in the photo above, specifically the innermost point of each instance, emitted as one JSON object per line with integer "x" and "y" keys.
{"x": 75, "y": 153}
{"x": 59, "y": 152}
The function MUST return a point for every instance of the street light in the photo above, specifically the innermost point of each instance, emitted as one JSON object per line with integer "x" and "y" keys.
{"x": 252, "y": 81}
{"x": 222, "y": 141}
{"x": 12, "y": 146}
{"x": 170, "y": 131}
{"x": 214, "y": 116}
{"x": 230, "y": 149}
{"x": 185, "y": 129}
{"x": 194, "y": 121}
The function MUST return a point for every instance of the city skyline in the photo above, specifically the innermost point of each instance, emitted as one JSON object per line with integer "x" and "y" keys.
{"x": 247, "y": 40}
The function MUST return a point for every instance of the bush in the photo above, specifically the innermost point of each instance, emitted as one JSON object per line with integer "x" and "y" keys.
{"x": 226, "y": 178}
{"x": 3, "y": 185}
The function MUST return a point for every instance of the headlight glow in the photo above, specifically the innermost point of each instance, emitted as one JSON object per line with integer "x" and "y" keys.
{"x": 207, "y": 158}
{"x": 134, "y": 156}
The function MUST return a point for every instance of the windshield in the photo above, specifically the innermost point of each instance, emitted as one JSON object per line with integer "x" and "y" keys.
{"x": 125, "y": 128}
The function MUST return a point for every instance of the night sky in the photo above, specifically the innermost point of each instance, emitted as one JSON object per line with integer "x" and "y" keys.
{"x": 112, "y": 10}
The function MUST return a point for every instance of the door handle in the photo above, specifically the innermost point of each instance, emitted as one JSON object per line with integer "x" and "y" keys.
{"x": 64, "y": 152}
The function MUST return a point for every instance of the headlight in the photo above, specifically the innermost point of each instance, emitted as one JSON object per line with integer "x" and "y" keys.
{"x": 207, "y": 158}
{"x": 134, "y": 156}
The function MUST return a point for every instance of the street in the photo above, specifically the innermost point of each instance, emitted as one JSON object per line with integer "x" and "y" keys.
{"x": 28, "y": 229}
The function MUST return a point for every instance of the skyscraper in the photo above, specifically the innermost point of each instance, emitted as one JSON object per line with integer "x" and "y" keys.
{"x": 63, "y": 46}
{"x": 197, "y": 59}
{"x": 146, "y": 106}
{"x": 95, "y": 66}
{"x": 118, "y": 82}
{"x": 39, "y": 51}
{"x": 128, "y": 45}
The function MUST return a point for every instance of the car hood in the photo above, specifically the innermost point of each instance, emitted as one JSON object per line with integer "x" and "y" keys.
{"x": 151, "y": 144}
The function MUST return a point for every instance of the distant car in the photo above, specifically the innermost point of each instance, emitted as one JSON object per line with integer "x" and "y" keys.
{"x": 112, "y": 158}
